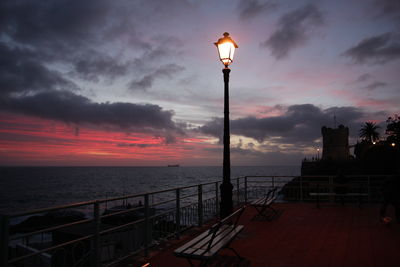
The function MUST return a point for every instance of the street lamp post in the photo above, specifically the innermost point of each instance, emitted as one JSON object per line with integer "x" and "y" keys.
{"x": 226, "y": 49}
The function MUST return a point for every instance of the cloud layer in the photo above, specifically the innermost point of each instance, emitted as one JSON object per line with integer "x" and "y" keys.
{"x": 300, "y": 124}
{"x": 249, "y": 9}
{"x": 378, "y": 49}
{"x": 294, "y": 29}
{"x": 47, "y": 48}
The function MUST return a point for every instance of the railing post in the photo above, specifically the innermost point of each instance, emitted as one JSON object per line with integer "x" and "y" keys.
{"x": 245, "y": 189}
{"x": 200, "y": 205}
{"x": 178, "y": 213}
{"x": 146, "y": 225}
{"x": 369, "y": 189}
{"x": 96, "y": 236}
{"x": 301, "y": 188}
{"x": 238, "y": 191}
{"x": 331, "y": 189}
{"x": 216, "y": 198}
{"x": 4, "y": 235}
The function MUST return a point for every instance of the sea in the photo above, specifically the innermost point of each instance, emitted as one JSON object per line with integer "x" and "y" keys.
{"x": 27, "y": 188}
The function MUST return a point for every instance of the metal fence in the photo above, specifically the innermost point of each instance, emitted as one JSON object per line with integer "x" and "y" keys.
{"x": 114, "y": 229}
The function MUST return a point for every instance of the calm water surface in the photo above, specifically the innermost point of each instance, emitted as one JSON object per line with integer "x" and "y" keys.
{"x": 25, "y": 188}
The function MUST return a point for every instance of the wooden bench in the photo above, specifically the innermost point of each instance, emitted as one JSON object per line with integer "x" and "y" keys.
{"x": 319, "y": 194}
{"x": 207, "y": 245}
{"x": 263, "y": 204}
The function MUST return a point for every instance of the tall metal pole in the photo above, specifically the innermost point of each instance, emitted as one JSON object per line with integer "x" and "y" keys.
{"x": 226, "y": 186}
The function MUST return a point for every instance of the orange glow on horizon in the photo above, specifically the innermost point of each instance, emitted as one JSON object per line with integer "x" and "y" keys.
{"x": 33, "y": 141}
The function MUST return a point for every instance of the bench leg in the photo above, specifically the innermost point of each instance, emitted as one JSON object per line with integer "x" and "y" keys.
{"x": 360, "y": 202}
{"x": 260, "y": 215}
{"x": 191, "y": 263}
{"x": 261, "y": 212}
{"x": 204, "y": 263}
{"x": 236, "y": 253}
{"x": 274, "y": 210}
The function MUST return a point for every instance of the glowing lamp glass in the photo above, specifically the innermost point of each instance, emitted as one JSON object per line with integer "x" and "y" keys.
{"x": 226, "y": 49}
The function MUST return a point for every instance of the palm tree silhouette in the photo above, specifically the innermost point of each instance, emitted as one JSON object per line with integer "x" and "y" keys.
{"x": 369, "y": 133}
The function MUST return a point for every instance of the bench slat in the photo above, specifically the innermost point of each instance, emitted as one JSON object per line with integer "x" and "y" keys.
{"x": 221, "y": 240}
{"x": 202, "y": 244}
{"x": 263, "y": 203}
{"x": 198, "y": 239}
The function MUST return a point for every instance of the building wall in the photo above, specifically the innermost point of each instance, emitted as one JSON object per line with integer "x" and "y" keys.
{"x": 335, "y": 143}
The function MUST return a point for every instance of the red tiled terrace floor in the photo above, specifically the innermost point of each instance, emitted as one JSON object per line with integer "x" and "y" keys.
{"x": 337, "y": 236}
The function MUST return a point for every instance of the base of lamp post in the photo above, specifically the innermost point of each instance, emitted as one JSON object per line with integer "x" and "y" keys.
{"x": 226, "y": 205}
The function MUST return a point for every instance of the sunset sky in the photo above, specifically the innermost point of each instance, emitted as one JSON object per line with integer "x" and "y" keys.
{"x": 138, "y": 83}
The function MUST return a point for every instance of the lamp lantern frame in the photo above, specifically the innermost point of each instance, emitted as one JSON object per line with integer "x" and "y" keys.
{"x": 226, "y": 49}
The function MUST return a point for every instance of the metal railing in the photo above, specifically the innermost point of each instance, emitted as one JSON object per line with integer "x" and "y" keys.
{"x": 114, "y": 229}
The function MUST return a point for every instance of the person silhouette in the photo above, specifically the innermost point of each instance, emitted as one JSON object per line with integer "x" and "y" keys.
{"x": 391, "y": 196}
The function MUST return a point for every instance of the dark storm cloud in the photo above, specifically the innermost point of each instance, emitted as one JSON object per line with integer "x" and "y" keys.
{"x": 20, "y": 71}
{"x": 71, "y": 108}
{"x": 77, "y": 34}
{"x": 93, "y": 65}
{"x": 54, "y": 24}
{"x": 376, "y": 50}
{"x": 147, "y": 81}
{"x": 388, "y": 8}
{"x": 249, "y": 9}
{"x": 374, "y": 85}
{"x": 300, "y": 124}
{"x": 249, "y": 155}
{"x": 74, "y": 38}
{"x": 293, "y": 30}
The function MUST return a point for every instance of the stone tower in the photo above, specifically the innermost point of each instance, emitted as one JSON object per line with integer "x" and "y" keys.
{"x": 335, "y": 143}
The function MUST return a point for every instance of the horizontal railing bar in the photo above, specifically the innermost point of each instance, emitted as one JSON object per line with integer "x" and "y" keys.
{"x": 20, "y": 214}
{"x": 121, "y": 226}
{"x": 184, "y": 187}
{"x": 66, "y": 206}
{"x": 139, "y": 221}
{"x": 50, "y": 229}
{"x": 121, "y": 212}
{"x": 132, "y": 223}
{"x": 167, "y": 190}
{"x": 91, "y": 202}
{"x": 163, "y": 202}
{"x": 208, "y": 191}
{"x": 49, "y": 249}
{"x": 186, "y": 196}
{"x": 119, "y": 260}
{"x": 151, "y": 193}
